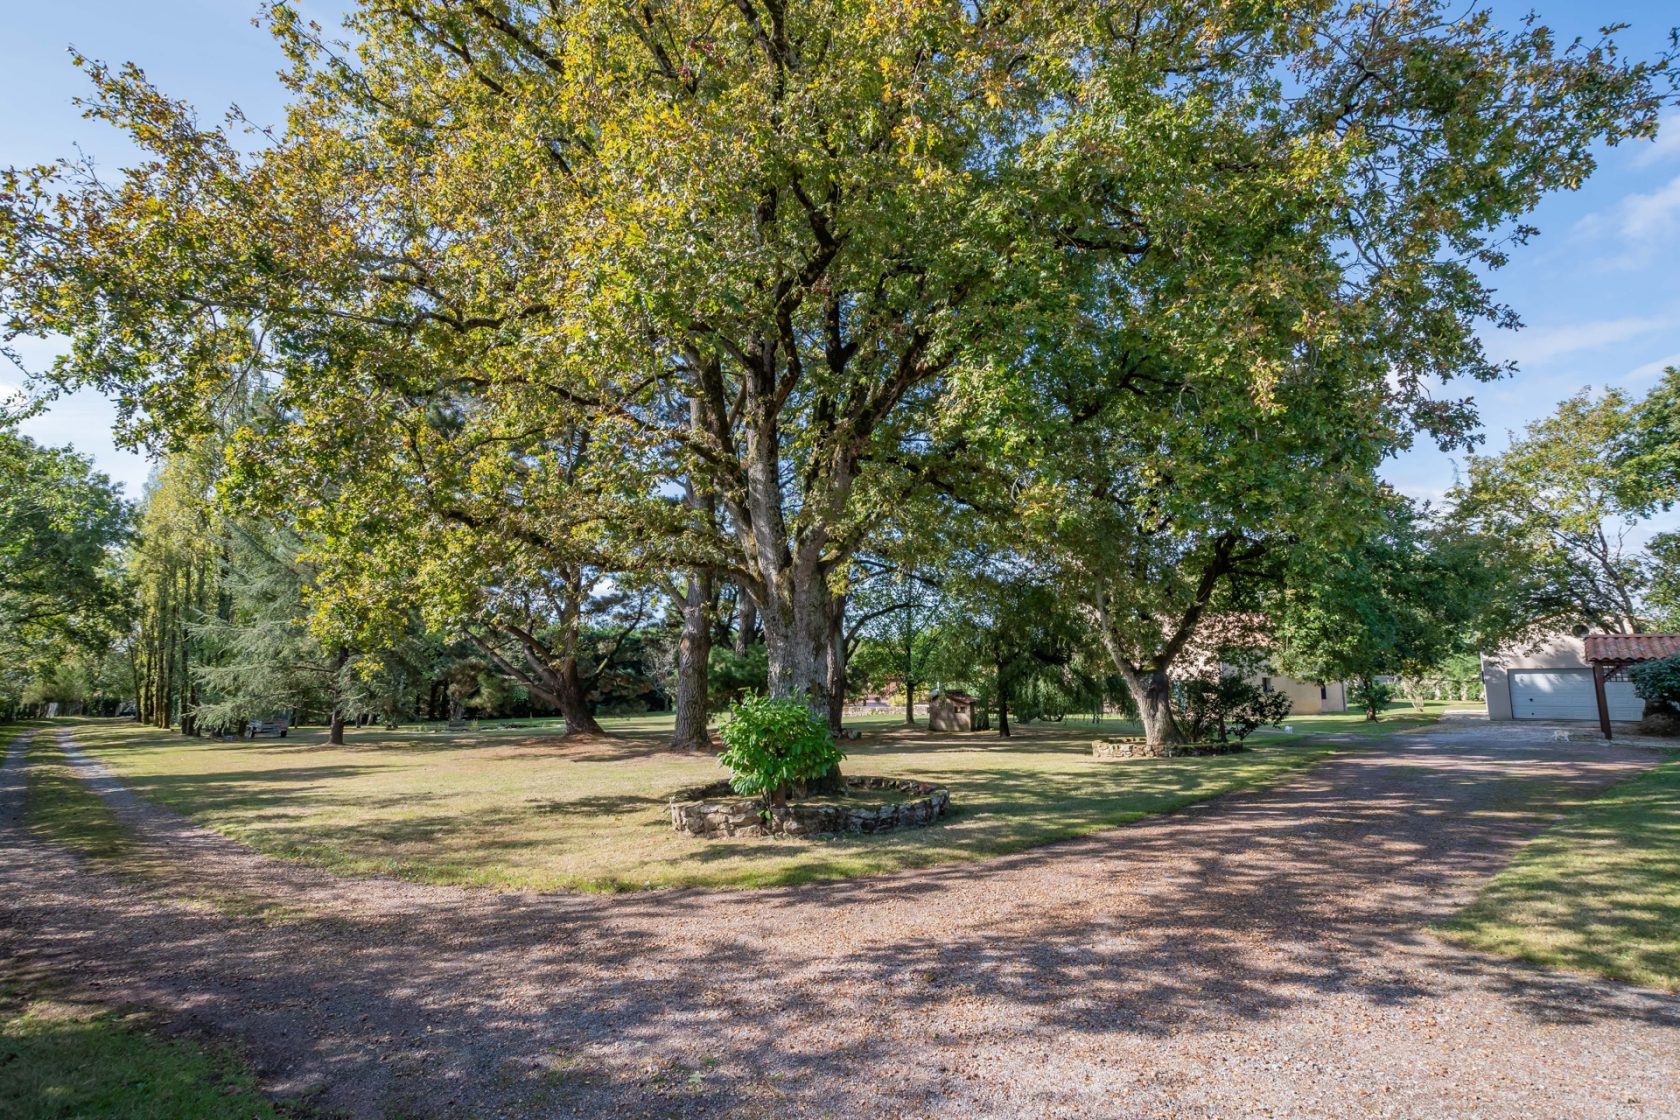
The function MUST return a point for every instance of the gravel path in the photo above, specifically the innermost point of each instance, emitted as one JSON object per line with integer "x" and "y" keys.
{"x": 1262, "y": 955}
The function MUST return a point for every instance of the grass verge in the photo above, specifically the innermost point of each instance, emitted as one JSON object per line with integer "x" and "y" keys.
{"x": 1598, "y": 893}
{"x": 522, "y": 810}
{"x": 61, "y": 1060}
{"x": 65, "y": 811}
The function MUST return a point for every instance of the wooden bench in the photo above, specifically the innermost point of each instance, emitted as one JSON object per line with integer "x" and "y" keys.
{"x": 257, "y": 728}
{"x": 456, "y": 725}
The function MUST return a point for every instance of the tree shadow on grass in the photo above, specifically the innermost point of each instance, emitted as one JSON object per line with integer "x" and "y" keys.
{"x": 1597, "y": 893}
{"x": 599, "y": 805}
{"x": 255, "y": 791}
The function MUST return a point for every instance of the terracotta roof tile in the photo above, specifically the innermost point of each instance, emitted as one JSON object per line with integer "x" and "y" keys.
{"x": 1631, "y": 647}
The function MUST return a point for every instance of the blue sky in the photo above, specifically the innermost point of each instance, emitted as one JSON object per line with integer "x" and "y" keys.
{"x": 1597, "y": 290}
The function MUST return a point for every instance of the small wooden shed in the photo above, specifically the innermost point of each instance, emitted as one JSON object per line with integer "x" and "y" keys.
{"x": 951, "y": 711}
{"x": 1611, "y": 654}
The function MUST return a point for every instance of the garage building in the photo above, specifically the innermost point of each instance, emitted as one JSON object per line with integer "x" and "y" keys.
{"x": 1554, "y": 682}
{"x": 1573, "y": 677}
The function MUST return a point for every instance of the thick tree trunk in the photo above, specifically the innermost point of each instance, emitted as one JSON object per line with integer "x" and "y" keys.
{"x": 796, "y": 636}
{"x": 1003, "y": 703}
{"x": 909, "y": 702}
{"x": 1370, "y": 686}
{"x": 335, "y": 734}
{"x": 791, "y": 564}
{"x": 557, "y": 684}
{"x": 694, "y": 648}
{"x": 796, "y": 639}
{"x": 1153, "y": 693}
{"x": 1150, "y": 687}
{"x": 746, "y": 621}
{"x": 836, "y": 680}
{"x": 568, "y": 697}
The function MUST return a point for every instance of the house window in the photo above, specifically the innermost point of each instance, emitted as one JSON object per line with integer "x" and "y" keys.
{"x": 1324, "y": 692}
{"x": 1265, "y": 684}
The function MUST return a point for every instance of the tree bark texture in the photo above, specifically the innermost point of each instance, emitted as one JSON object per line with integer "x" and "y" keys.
{"x": 549, "y": 671}
{"x": 746, "y": 621}
{"x": 694, "y": 648}
{"x": 836, "y": 680}
{"x": 1152, "y": 690}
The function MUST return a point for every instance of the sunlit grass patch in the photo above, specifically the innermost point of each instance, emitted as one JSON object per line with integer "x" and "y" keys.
{"x": 531, "y": 810}
{"x": 1598, "y": 893}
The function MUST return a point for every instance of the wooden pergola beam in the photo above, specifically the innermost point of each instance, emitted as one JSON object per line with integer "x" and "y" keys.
{"x": 1603, "y": 704}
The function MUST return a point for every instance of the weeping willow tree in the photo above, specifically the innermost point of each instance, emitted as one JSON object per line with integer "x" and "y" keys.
{"x": 220, "y": 632}
{"x": 1013, "y": 637}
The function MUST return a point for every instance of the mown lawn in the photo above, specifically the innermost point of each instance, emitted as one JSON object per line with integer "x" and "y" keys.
{"x": 525, "y": 809}
{"x": 1599, "y": 892}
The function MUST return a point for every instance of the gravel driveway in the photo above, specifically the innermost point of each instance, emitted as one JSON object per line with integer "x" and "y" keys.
{"x": 1263, "y": 955}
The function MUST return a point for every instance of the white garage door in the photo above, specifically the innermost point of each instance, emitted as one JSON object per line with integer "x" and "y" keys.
{"x": 1568, "y": 694}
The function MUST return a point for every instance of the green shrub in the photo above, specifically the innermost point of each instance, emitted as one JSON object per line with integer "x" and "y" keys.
{"x": 1229, "y": 707}
{"x": 1658, "y": 681}
{"x": 1371, "y": 696}
{"x": 774, "y": 744}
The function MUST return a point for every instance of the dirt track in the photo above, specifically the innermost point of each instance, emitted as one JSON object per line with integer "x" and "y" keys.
{"x": 1261, "y": 955}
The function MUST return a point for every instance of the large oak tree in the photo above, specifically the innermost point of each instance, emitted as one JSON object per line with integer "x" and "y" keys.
{"x": 795, "y": 256}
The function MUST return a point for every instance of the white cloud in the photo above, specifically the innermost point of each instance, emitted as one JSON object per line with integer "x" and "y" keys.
{"x": 1650, "y": 371}
{"x": 14, "y": 387}
{"x": 1665, "y": 147}
{"x": 1433, "y": 495}
{"x": 1651, "y": 215}
{"x": 1538, "y": 345}
{"x": 1640, "y": 223}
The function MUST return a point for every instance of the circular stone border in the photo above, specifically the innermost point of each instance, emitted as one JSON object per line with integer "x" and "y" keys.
{"x": 1108, "y": 750}
{"x": 715, "y": 810}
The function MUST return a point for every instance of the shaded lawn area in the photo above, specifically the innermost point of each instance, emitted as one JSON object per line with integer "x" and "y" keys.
{"x": 522, "y": 810}
{"x": 1599, "y": 892}
{"x": 61, "y": 1060}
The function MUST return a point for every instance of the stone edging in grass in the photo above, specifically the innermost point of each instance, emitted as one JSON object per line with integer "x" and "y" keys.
{"x": 1110, "y": 749}
{"x": 713, "y": 811}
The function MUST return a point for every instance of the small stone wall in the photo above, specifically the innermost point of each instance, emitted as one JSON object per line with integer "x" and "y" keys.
{"x": 717, "y": 811}
{"x": 1110, "y": 749}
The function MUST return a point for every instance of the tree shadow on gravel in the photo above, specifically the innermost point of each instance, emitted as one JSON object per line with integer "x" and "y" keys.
{"x": 444, "y": 1003}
